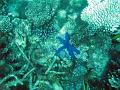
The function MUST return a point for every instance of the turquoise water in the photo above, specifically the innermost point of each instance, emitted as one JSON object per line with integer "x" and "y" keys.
{"x": 59, "y": 44}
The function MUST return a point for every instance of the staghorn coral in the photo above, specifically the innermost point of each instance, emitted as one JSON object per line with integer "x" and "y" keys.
{"x": 104, "y": 13}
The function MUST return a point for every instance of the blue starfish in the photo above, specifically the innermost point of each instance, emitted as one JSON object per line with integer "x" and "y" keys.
{"x": 66, "y": 45}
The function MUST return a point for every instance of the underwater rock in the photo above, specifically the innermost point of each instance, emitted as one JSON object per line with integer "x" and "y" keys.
{"x": 95, "y": 52}
{"x": 114, "y": 82}
{"x": 16, "y": 8}
{"x": 69, "y": 27}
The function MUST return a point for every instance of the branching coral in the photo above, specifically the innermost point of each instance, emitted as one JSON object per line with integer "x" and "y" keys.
{"x": 104, "y": 13}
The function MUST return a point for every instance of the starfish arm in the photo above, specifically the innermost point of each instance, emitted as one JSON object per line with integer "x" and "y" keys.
{"x": 67, "y": 36}
{"x": 62, "y": 41}
{"x": 59, "y": 50}
{"x": 71, "y": 53}
{"x": 75, "y": 50}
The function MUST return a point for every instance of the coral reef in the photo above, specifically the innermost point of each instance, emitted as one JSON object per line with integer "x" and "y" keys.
{"x": 59, "y": 45}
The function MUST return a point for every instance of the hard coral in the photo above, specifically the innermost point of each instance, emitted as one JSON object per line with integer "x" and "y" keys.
{"x": 102, "y": 13}
{"x": 46, "y": 31}
{"x": 40, "y": 11}
{"x": 5, "y": 24}
{"x": 2, "y": 7}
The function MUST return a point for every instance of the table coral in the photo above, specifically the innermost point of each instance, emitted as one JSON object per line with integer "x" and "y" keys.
{"x": 102, "y": 13}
